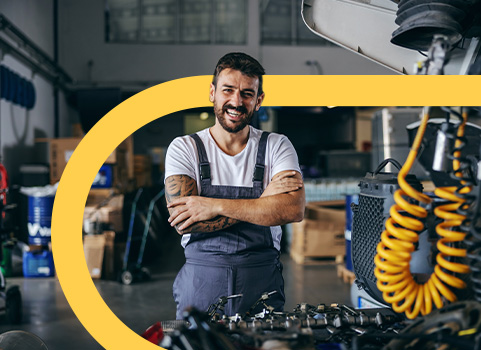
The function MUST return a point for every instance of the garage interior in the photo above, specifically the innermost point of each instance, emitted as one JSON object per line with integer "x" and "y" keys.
{"x": 65, "y": 64}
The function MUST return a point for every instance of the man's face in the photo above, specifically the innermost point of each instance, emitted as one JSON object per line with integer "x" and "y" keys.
{"x": 235, "y": 99}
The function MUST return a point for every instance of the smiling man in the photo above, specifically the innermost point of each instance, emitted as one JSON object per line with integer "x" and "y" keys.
{"x": 228, "y": 189}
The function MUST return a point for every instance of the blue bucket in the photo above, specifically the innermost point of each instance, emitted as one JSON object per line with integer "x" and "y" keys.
{"x": 354, "y": 198}
{"x": 39, "y": 219}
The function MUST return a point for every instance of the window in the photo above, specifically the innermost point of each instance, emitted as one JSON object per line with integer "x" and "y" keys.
{"x": 158, "y": 21}
{"x": 282, "y": 24}
{"x": 122, "y": 20}
{"x": 176, "y": 21}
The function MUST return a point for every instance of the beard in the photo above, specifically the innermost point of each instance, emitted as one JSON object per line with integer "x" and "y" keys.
{"x": 240, "y": 124}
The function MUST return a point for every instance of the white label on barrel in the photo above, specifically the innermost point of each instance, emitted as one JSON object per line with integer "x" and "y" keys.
{"x": 34, "y": 229}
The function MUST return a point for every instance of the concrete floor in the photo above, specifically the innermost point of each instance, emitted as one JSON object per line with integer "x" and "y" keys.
{"x": 47, "y": 314}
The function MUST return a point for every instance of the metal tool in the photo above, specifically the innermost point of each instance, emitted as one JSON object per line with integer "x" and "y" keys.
{"x": 219, "y": 305}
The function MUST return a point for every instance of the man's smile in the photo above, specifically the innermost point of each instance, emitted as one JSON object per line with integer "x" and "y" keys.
{"x": 234, "y": 114}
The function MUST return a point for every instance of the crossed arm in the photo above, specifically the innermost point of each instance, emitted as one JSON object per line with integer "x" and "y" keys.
{"x": 283, "y": 201}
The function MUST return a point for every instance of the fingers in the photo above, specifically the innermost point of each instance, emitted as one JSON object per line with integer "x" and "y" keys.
{"x": 283, "y": 175}
{"x": 176, "y": 202}
{"x": 180, "y": 229}
{"x": 287, "y": 179}
{"x": 186, "y": 224}
{"x": 178, "y": 218}
{"x": 176, "y": 210}
{"x": 282, "y": 186}
{"x": 288, "y": 184}
{"x": 292, "y": 182}
{"x": 288, "y": 188}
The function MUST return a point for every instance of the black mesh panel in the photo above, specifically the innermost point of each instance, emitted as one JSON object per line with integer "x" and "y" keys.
{"x": 368, "y": 224}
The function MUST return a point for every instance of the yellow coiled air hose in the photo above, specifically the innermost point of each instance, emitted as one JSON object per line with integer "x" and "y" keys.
{"x": 394, "y": 278}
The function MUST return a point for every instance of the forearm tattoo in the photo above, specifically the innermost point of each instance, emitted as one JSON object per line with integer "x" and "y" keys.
{"x": 180, "y": 186}
{"x": 212, "y": 225}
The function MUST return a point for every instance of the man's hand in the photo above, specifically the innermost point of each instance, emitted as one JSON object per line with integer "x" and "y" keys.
{"x": 181, "y": 195}
{"x": 191, "y": 209}
{"x": 283, "y": 182}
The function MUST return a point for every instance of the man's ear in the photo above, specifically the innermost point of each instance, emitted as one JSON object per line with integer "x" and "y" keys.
{"x": 260, "y": 98}
{"x": 211, "y": 93}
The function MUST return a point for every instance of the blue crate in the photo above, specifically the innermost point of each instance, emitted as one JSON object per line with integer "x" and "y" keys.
{"x": 38, "y": 263}
{"x": 104, "y": 178}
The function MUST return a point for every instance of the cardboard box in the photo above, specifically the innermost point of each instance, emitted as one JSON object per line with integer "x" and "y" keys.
{"x": 106, "y": 209}
{"x": 109, "y": 267}
{"x": 126, "y": 146}
{"x": 98, "y": 195}
{"x": 105, "y": 215}
{"x": 143, "y": 170}
{"x": 61, "y": 150}
{"x": 103, "y": 255}
{"x": 77, "y": 130}
{"x": 94, "y": 246}
{"x": 321, "y": 233}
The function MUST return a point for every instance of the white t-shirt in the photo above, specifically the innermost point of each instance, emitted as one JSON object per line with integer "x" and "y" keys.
{"x": 226, "y": 170}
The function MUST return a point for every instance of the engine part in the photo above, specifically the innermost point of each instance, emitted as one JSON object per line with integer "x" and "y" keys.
{"x": 453, "y": 327}
{"x": 369, "y": 216}
{"x": 219, "y": 305}
{"x": 306, "y": 327}
{"x": 421, "y": 20}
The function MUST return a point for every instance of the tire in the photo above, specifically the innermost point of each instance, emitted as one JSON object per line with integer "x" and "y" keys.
{"x": 13, "y": 305}
{"x": 127, "y": 277}
{"x": 21, "y": 340}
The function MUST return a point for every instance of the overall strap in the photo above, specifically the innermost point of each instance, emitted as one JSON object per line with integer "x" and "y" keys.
{"x": 204, "y": 167}
{"x": 259, "y": 168}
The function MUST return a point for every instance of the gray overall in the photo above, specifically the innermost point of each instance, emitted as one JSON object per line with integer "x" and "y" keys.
{"x": 240, "y": 259}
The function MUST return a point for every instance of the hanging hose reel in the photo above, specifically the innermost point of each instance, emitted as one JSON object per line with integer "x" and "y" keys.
{"x": 394, "y": 279}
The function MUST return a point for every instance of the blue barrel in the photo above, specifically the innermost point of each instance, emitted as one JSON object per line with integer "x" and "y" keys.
{"x": 350, "y": 198}
{"x": 39, "y": 219}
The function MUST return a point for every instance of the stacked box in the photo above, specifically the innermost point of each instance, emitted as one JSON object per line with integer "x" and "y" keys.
{"x": 321, "y": 233}
{"x": 121, "y": 160}
{"x": 143, "y": 170}
{"x": 104, "y": 208}
{"x": 60, "y": 152}
{"x": 94, "y": 246}
{"x": 103, "y": 255}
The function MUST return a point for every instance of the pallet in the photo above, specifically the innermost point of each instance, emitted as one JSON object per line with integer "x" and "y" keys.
{"x": 346, "y": 275}
{"x": 316, "y": 260}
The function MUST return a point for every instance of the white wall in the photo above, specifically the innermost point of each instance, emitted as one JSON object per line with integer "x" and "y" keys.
{"x": 19, "y": 127}
{"x": 34, "y": 18}
{"x": 82, "y": 40}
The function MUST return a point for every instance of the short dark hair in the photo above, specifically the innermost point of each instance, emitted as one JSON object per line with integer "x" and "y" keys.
{"x": 242, "y": 62}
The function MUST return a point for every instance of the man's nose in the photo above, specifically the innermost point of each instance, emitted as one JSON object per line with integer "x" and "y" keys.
{"x": 236, "y": 99}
